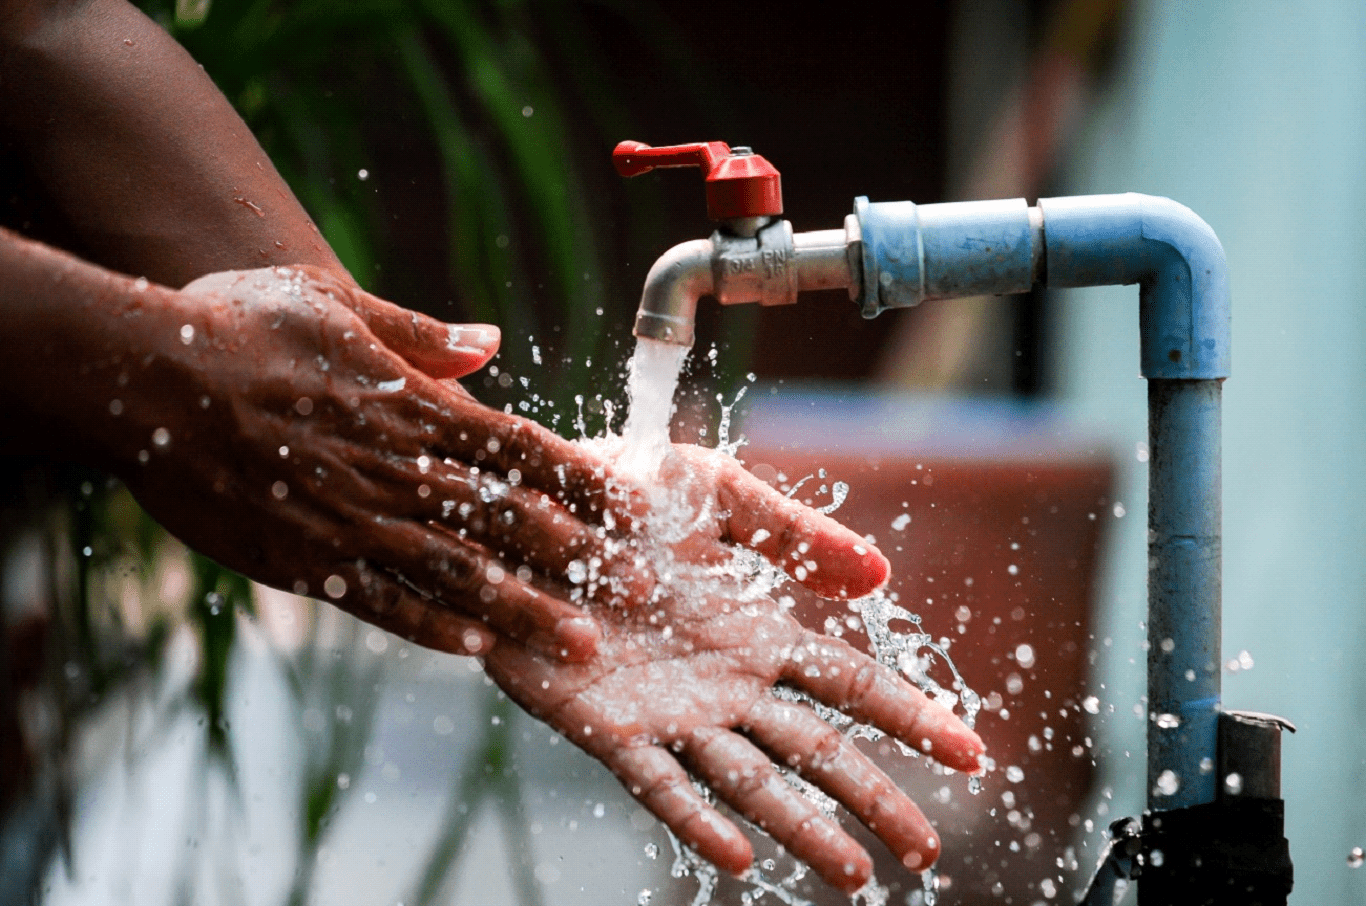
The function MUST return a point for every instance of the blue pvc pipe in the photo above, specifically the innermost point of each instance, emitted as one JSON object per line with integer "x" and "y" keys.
{"x": 911, "y": 253}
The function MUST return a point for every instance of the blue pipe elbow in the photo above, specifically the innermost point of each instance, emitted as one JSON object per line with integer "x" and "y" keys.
{"x": 913, "y": 253}
{"x": 1174, "y": 256}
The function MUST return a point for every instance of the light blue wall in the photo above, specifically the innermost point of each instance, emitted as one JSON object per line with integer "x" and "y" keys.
{"x": 1254, "y": 115}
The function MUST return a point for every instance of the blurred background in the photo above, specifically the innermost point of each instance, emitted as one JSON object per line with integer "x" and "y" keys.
{"x": 171, "y": 734}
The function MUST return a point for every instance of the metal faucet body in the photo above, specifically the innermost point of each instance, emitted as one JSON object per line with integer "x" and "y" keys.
{"x": 770, "y": 266}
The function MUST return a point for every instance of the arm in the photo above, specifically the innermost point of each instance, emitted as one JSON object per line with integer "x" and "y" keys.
{"x": 285, "y": 423}
{"x": 147, "y": 160}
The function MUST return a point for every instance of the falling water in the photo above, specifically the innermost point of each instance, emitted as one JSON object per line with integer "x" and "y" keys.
{"x": 652, "y": 380}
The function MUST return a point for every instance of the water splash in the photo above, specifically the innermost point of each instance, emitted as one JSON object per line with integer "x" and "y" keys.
{"x": 644, "y": 443}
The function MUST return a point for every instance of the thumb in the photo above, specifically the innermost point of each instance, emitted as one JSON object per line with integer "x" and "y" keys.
{"x": 437, "y": 349}
{"x": 470, "y": 346}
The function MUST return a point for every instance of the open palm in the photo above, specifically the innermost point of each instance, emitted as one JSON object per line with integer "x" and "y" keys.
{"x": 684, "y": 686}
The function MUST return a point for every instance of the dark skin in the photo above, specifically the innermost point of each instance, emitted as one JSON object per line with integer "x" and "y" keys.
{"x": 281, "y": 420}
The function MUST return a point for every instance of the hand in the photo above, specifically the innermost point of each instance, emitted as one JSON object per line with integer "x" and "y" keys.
{"x": 684, "y": 687}
{"x": 304, "y": 433}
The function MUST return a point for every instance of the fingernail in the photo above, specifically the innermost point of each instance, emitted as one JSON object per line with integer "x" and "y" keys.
{"x": 473, "y": 338}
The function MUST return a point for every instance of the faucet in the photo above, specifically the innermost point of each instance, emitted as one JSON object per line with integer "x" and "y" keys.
{"x": 1200, "y": 841}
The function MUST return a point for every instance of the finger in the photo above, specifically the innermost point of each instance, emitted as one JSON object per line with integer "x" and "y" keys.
{"x": 814, "y": 549}
{"x": 405, "y": 613}
{"x": 437, "y": 349}
{"x": 523, "y": 524}
{"x": 745, "y": 778}
{"x": 795, "y": 736}
{"x": 569, "y": 472}
{"x": 834, "y": 673}
{"x": 458, "y": 575}
{"x": 658, "y": 783}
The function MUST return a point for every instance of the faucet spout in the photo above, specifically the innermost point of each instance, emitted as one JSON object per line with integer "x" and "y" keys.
{"x": 668, "y": 304}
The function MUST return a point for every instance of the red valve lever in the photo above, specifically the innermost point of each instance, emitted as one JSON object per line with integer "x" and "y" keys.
{"x": 738, "y": 184}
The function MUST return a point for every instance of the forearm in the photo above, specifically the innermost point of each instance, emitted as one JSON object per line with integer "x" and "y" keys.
{"x": 146, "y": 158}
{"x": 78, "y": 342}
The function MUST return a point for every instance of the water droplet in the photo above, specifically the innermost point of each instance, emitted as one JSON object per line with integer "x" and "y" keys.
{"x": 651, "y": 849}
{"x": 161, "y": 438}
{"x": 599, "y": 810}
{"x": 1024, "y": 656}
{"x": 576, "y": 572}
{"x": 1156, "y": 858}
{"x": 643, "y": 898}
{"x": 1356, "y": 857}
{"x": 1233, "y": 783}
{"x": 1119, "y": 511}
{"x": 1167, "y": 721}
{"x": 303, "y": 406}
{"x": 527, "y": 111}
{"x": 899, "y": 523}
{"x": 335, "y": 586}
{"x": 362, "y": 174}
{"x": 1091, "y": 704}
{"x": 279, "y": 490}
{"x": 1013, "y": 569}
{"x": 1167, "y": 783}
{"x": 1014, "y": 774}
{"x": 116, "y": 407}
{"x": 187, "y": 334}
{"x": 343, "y": 781}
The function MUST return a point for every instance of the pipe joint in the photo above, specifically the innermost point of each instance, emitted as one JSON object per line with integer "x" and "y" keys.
{"x": 1174, "y": 256}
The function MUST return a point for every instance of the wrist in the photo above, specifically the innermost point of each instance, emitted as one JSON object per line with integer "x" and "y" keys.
{"x": 85, "y": 345}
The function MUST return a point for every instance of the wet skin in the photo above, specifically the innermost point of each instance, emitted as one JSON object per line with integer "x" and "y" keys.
{"x": 683, "y": 686}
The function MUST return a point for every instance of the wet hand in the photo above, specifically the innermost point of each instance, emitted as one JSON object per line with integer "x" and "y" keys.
{"x": 684, "y": 687}
{"x": 309, "y": 435}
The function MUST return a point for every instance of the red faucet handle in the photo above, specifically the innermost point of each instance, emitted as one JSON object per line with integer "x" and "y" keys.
{"x": 740, "y": 183}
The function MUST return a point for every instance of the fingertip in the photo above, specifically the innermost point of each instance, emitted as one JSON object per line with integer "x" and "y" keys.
{"x": 923, "y": 856}
{"x": 729, "y": 850}
{"x": 963, "y": 750}
{"x": 476, "y": 641}
{"x": 469, "y": 348}
{"x": 854, "y": 874}
{"x": 576, "y": 639}
{"x": 858, "y": 570}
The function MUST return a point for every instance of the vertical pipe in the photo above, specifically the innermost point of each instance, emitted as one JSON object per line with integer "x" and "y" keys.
{"x": 1184, "y": 582}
